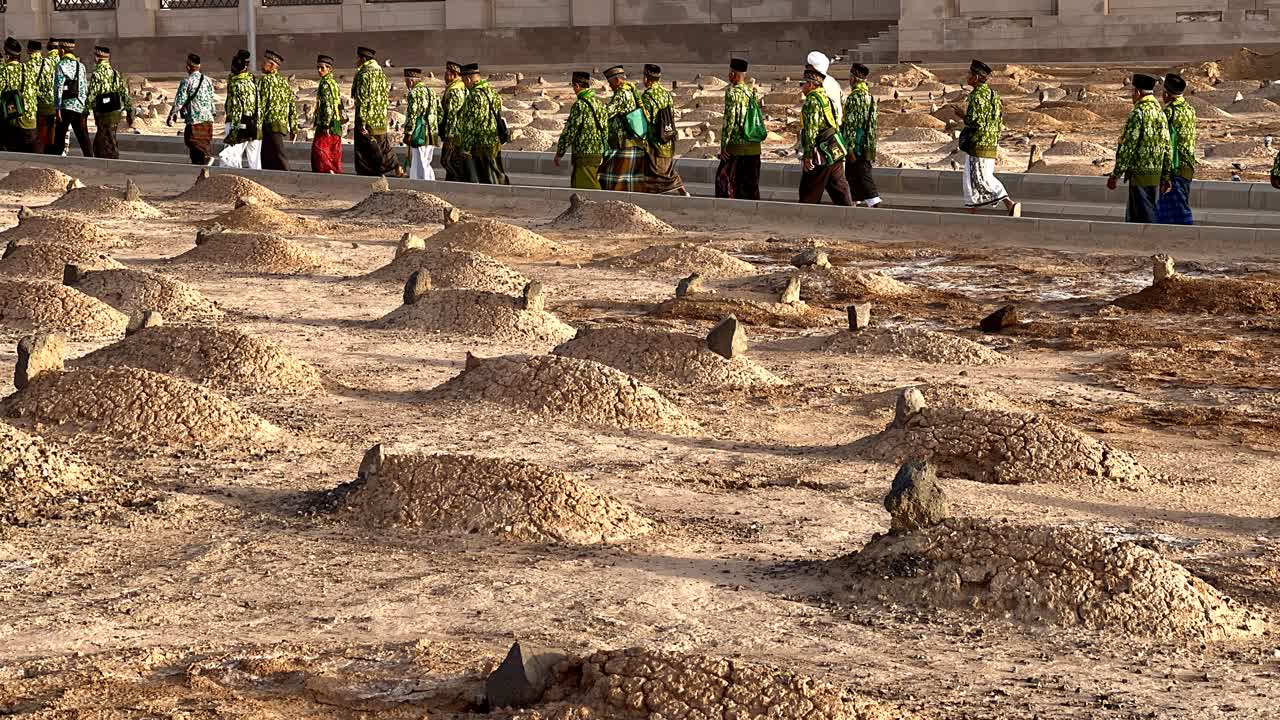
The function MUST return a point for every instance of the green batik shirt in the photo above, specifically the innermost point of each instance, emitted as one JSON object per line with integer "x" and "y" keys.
{"x": 737, "y": 99}
{"x": 584, "y": 131}
{"x": 1182, "y": 125}
{"x": 455, "y": 96}
{"x": 328, "y": 114}
{"x": 1144, "y": 157}
{"x": 479, "y": 117}
{"x": 105, "y": 80}
{"x": 370, "y": 91}
{"x": 41, "y": 68}
{"x": 423, "y": 104}
{"x": 279, "y": 106}
{"x": 817, "y": 115}
{"x": 1275, "y": 167}
{"x": 17, "y": 76}
{"x": 655, "y": 98}
{"x": 859, "y": 126}
{"x": 625, "y": 99}
{"x": 984, "y": 115}
{"x": 242, "y": 99}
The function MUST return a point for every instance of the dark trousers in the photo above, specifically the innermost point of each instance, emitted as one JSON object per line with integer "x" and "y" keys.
{"x": 1142, "y": 204}
{"x": 273, "y": 157}
{"x": 862, "y": 185}
{"x": 76, "y": 122}
{"x": 456, "y": 168}
{"x": 738, "y": 178}
{"x": 828, "y": 178}
{"x": 104, "y": 139}
{"x": 15, "y": 139}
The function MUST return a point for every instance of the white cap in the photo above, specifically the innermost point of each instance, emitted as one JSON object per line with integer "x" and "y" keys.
{"x": 820, "y": 62}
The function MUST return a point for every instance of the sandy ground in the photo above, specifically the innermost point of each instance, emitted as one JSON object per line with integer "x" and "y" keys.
{"x": 222, "y": 554}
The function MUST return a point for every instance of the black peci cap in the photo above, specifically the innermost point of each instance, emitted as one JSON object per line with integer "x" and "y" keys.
{"x": 365, "y": 53}
{"x": 324, "y": 60}
{"x": 471, "y": 69}
{"x": 413, "y": 73}
{"x": 653, "y": 71}
{"x": 274, "y": 57}
{"x": 860, "y": 70}
{"x": 12, "y": 46}
{"x": 979, "y": 68}
{"x": 34, "y": 46}
{"x": 739, "y": 65}
{"x": 582, "y": 78}
{"x": 1175, "y": 84}
{"x": 1145, "y": 83}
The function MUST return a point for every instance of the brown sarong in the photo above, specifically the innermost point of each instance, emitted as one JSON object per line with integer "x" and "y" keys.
{"x": 660, "y": 175}
{"x": 44, "y": 132}
{"x": 104, "y": 140}
{"x": 829, "y": 178}
{"x": 199, "y": 139}
{"x": 374, "y": 156}
{"x": 273, "y": 157}
{"x": 455, "y": 165}
{"x": 739, "y": 177}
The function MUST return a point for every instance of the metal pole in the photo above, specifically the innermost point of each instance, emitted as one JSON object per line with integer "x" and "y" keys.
{"x": 251, "y": 32}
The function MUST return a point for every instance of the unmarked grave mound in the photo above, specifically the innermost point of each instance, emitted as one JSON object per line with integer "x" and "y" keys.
{"x": 464, "y": 495}
{"x": 61, "y": 228}
{"x": 494, "y": 238}
{"x": 711, "y": 308}
{"x": 452, "y": 269}
{"x": 46, "y": 260}
{"x": 35, "y": 181}
{"x": 131, "y": 291}
{"x": 252, "y": 252}
{"x": 1181, "y": 294}
{"x": 479, "y": 314}
{"x": 253, "y": 217}
{"x": 684, "y": 259}
{"x": 1040, "y": 574}
{"x": 915, "y": 344}
{"x": 408, "y": 207}
{"x": 223, "y": 357}
{"x": 613, "y": 216}
{"x": 38, "y": 481}
{"x": 51, "y": 306}
{"x": 227, "y": 189}
{"x": 568, "y": 390}
{"x": 665, "y": 358}
{"x": 104, "y": 202}
{"x": 841, "y": 284}
{"x": 136, "y": 406}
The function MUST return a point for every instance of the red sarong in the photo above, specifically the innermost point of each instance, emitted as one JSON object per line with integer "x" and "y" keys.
{"x": 326, "y": 154}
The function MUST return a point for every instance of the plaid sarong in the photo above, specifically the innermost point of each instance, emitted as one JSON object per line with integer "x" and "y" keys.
{"x": 1174, "y": 207}
{"x": 623, "y": 170}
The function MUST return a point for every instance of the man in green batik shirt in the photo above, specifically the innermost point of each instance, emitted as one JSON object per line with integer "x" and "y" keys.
{"x": 1174, "y": 204}
{"x": 455, "y": 95}
{"x": 660, "y": 174}
{"x": 242, "y": 146}
{"x": 421, "y": 125}
{"x": 980, "y": 142}
{"x": 18, "y": 88}
{"x": 738, "y": 175}
{"x": 859, "y": 129}
{"x": 278, "y": 107}
{"x": 823, "y": 147}
{"x": 583, "y": 135}
{"x": 1275, "y": 172}
{"x": 478, "y": 131}
{"x": 327, "y": 121}
{"x": 109, "y": 98}
{"x": 370, "y": 92}
{"x": 1145, "y": 156}
{"x": 624, "y": 163}
{"x": 38, "y": 66}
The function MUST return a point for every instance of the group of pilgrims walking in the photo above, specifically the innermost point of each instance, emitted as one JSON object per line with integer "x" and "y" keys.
{"x": 626, "y": 144}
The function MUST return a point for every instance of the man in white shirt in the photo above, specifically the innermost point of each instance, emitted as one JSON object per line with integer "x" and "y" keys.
{"x": 831, "y": 86}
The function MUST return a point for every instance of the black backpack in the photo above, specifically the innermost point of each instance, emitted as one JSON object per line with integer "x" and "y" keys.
{"x": 664, "y": 125}
{"x": 110, "y": 102}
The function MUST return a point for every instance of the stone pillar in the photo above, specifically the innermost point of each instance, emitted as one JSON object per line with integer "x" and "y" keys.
{"x": 136, "y": 18}
{"x": 469, "y": 14}
{"x": 29, "y": 19}
{"x": 588, "y": 13}
{"x": 352, "y": 19}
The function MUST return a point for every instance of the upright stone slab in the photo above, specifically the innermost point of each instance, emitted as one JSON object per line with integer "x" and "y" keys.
{"x": 689, "y": 285}
{"x": 523, "y": 677}
{"x": 859, "y": 317}
{"x": 1005, "y": 317}
{"x": 1162, "y": 268}
{"x": 728, "y": 339}
{"x": 38, "y": 354}
{"x": 916, "y": 499}
{"x": 143, "y": 320}
{"x": 418, "y": 284}
{"x": 531, "y": 297}
{"x": 791, "y": 294}
{"x": 910, "y": 402}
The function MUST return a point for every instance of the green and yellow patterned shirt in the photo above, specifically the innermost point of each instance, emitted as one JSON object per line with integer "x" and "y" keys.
{"x": 985, "y": 117}
{"x": 860, "y": 125}
{"x": 655, "y": 98}
{"x": 1182, "y": 124}
{"x": 1144, "y": 157}
{"x": 105, "y": 80}
{"x": 16, "y": 76}
{"x": 737, "y": 99}
{"x": 242, "y": 100}
{"x": 455, "y": 96}
{"x": 817, "y": 115}
{"x": 278, "y": 104}
{"x": 1275, "y": 167}
{"x": 41, "y": 68}
{"x": 422, "y": 104}
{"x": 479, "y": 117}
{"x": 625, "y": 99}
{"x": 584, "y": 131}
{"x": 328, "y": 116}
{"x": 370, "y": 91}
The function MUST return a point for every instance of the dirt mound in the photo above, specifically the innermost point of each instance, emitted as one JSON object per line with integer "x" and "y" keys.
{"x": 903, "y": 75}
{"x": 227, "y": 189}
{"x": 219, "y": 356}
{"x": 1040, "y": 574}
{"x": 1031, "y": 120}
{"x": 840, "y": 284}
{"x": 104, "y": 202}
{"x": 479, "y": 314}
{"x": 408, "y": 207}
{"x": 35, "y": 181}
{"x": 131, "y": 291}
{"x": 613, "y": 216}
{"x": 665, "y": 358}
{"x": 53, "y": 307}
{"x": 494, "y": 238}
{"x": 714, "y": 308}
{"x": 1245, "y": 64}
{"x": 1072, "y": 115}
{"x": 1181, "y": 294}
{"x": 532, "y": 139}
{"x": 907, "y": 121}
{"x": 1006, "y": 447}
{"x": 919, "y": 134}
{"x": 137, "y": 406}
{"x": 38, "y": 481}
{"x": 1206, "y": 110}
{"x": 1252, "y": 106}
{"x": 645, "y": 684}
{"x": 452, "y": 269}
{"x": 45, "y": 261}
{"x": 264, "y": 219}
{"x": 61, "y": 228}
{"x": 916, "y": 344}
{"x": 252, "y": 252}
{"x": 684, "y": 259}
{"x": 1078, "y": 148}
{"x": 567, "y": 389}
{"x": 464, "y": 495}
